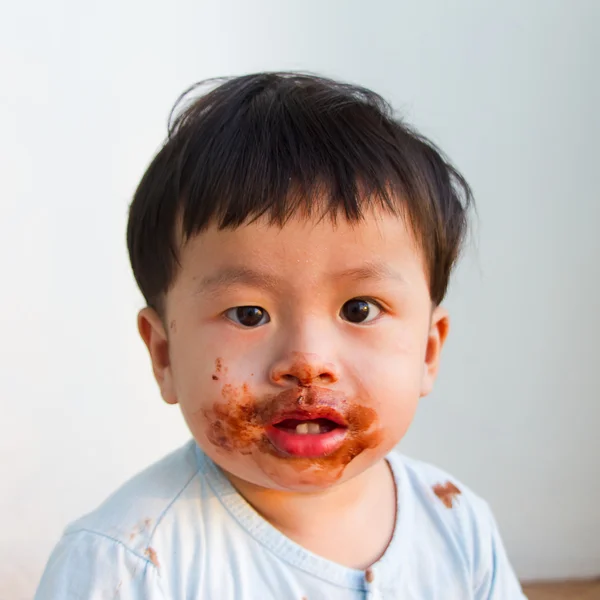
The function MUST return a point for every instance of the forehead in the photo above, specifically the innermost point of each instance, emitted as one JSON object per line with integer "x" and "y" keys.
{"x": 379, "y": 245}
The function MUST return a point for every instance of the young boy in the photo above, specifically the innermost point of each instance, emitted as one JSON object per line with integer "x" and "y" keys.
{"x": 293, "y": 242}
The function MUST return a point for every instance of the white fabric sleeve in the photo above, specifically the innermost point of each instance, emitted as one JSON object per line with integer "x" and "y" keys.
{"x": 90, "y": 566}
{"x": 496, "y": 579}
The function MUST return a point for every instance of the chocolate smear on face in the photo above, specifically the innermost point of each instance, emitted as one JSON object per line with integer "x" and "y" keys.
{"x": 237, "y": 424}
{"x": 219, "y": 369}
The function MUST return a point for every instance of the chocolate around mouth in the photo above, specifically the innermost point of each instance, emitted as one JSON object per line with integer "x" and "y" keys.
{"x": 238, "y": 424}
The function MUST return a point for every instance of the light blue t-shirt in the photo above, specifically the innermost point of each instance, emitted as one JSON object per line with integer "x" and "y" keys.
{"x": 180, "y": 531}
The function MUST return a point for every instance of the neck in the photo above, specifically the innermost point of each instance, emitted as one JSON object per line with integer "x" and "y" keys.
{"x": 366, "y": 500}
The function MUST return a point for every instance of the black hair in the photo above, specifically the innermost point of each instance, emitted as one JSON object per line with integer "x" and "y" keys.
{"x": 276, "y": 145}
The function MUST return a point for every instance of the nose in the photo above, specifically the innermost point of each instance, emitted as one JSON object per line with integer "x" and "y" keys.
{"x": 304, "y": 369}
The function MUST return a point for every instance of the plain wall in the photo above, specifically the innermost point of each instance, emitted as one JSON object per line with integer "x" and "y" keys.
{"x": 509, "y": 90}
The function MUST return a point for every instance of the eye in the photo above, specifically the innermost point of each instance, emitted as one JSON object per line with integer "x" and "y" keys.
{"x": 359, "y": 310}
{"x": 248, "y": 316}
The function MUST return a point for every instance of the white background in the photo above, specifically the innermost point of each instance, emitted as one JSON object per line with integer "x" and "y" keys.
{"x": 509, "y": 89}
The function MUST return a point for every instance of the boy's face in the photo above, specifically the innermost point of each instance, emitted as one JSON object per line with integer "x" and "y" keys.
{"x": 298, "y": 354}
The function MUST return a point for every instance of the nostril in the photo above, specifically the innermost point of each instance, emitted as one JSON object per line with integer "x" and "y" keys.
{"x": 304, "y": 380}
{"x": 304, "y": 370}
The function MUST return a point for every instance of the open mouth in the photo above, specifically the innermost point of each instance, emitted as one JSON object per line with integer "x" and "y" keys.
{"x": 307, "y": 435}
{"x": 303, "y": 427}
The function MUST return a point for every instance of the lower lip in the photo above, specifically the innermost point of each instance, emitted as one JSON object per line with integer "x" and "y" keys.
{"x": 309, "y": 445}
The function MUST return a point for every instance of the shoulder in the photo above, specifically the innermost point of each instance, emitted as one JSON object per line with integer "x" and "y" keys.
{"x": 111, "y": 550}
{"x": 446, "y": 507}
{"x": 90, "y": 565}
{"x": 462, "y": 521}
{"x": 133, "y": 513}
{"x": 437, "y": 488}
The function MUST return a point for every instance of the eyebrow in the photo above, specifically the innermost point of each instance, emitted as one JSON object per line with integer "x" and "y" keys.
{"x": 370, "y": 271}
{"x": 230, "y": 276}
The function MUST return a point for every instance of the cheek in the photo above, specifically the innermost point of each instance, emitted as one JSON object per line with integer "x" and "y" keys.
{"x": 397, "y": 396}
{"x": 207, "y": 364}
{"x": 213, "y": 353}
{"x": 199, "y": 374}
{"x": 395, "y": 356}
{"x": 394, "y": 377}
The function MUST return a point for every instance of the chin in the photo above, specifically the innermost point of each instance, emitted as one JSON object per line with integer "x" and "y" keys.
{"x": 310, "y": 474}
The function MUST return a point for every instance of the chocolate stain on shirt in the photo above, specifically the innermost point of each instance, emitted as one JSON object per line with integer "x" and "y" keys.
{"x": 151, "y": 554}
{"x": 140, "y": 528}
{"x": 446, "y": 493}
{"x": 236, "y": 424}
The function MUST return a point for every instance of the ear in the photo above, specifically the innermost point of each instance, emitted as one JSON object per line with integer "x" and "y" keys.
{"x": 152, "y": 331}
{"x": 438, "y": 331}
